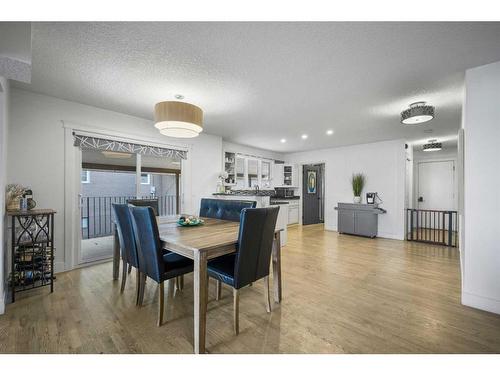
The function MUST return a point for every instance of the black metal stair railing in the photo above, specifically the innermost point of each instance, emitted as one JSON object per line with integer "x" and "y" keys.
{"x": 96, "y": 214}
{"x": 432, "y": 226}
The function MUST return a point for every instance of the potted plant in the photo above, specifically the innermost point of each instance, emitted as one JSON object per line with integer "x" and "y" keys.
{"x": 14, "y": 192}
{"x": 358, "y": 182}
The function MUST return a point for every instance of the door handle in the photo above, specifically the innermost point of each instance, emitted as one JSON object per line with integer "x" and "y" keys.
{"x": 420, "y": 199}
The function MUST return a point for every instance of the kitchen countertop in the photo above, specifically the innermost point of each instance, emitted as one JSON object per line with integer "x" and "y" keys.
{"x": 256, "y": 193}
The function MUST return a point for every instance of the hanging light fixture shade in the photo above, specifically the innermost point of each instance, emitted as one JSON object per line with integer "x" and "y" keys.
{"x": 178, "y": 119}
{"x": 432, "y": 146}
{"x": 418, "y": 113}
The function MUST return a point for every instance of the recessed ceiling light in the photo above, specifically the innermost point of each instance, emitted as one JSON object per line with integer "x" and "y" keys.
{"x": 283, "y": 140}
{"x": 179, "y": 96}
{"x": 304, "y": 136}
{"x": 329, "y": 132}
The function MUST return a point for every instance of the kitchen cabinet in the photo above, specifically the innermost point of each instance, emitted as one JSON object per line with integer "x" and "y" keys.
{"x": 286, "y": 175}
{"x": 247, "y": 172}
{"x": 293, "y": 214}
{"x": 278, "y": 175}
{"x": 358, "y": 219}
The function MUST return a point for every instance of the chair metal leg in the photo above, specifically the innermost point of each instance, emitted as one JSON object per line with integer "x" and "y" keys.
{"x": 181, "y": 282}
{"x": 218, "y": 290}
{"x": 161, "y": 302}
{"x": 137, "y": 286}
{"x": 129, "y": 268}
{"x": 236, "y": 311}
{"x": 266, "y": 294}
{"x": 124, "y": 276}
{"x": 177, "y": 283}
{"x": 143, "y": 288}
{"x": 171, "y": 283}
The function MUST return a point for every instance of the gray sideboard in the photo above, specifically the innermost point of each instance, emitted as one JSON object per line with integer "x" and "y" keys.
{"x": 358, "y": 219}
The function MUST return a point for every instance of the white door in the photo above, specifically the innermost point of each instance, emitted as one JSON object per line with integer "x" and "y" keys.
{"x": 436, "y": 185}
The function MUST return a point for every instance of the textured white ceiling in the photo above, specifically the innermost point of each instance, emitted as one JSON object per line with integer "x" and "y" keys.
{"x": 260, "y": 82}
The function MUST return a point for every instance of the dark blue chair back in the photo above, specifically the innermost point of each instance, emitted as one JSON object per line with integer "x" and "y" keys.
{"x": 126, "y": 237}
{"x": 148, "y": 242}
{"x": 224, "y": 209}
{"x": 255, "y": 244}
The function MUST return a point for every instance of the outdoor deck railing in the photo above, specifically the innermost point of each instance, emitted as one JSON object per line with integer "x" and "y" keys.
{"x": 97, "y": 217}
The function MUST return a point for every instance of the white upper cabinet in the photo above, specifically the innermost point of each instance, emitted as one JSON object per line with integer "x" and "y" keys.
{"x": 278, "y": 175}
{"x": 253, "y": 173}
{"x": 286, "y": 175}
{"x": 265, "y": 174}
{"x": 248, "y": 172}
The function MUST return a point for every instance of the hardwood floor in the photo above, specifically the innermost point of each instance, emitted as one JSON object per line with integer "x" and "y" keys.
{"x": 341, "y": 294}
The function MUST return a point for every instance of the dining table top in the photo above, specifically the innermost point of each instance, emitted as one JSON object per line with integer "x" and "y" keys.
{"x": 216, "y": 237}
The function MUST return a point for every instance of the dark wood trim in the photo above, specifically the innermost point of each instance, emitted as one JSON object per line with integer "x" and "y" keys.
{"x": 128, "y": 168}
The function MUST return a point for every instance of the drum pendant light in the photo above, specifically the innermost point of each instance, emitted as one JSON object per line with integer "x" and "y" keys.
{"x": 178, "y": 119}
{"x": 417, "y": 113}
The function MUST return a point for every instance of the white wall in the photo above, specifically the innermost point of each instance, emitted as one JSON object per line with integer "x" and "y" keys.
{"x": 36, "y": 151}
{"x": 4, "y": 112}
{"x": 383, "y": 163}
{"x": 234, "y": 147}
{"x": 409, "y": 177}
{"x": 481, "y": 252}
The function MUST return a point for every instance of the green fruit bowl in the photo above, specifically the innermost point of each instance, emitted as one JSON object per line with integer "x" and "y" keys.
{"x": 183, "y": 222}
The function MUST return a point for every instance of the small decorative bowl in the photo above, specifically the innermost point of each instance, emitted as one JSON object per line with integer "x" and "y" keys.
{"x": 189, "y": 222}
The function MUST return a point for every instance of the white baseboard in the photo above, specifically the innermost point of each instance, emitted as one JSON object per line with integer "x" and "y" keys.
{"x": 390, "y": 236}
{"x": 3, "y": 298}
{"x": 59, "y": 267}
{"x": 480, "y": 302}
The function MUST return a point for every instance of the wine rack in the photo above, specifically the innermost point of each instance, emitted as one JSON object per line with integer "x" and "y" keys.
{"x": 32, "y": 257}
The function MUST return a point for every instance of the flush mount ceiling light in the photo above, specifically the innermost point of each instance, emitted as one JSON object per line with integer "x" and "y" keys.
{"x": 178, "y": 119}
{"x": 116, "y": 155}
{"x": 433, "y": 145}
{"x": 418, "y": 113}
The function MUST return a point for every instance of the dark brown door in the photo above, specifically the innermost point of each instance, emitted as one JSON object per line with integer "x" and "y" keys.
{"x": 311, "y": 194}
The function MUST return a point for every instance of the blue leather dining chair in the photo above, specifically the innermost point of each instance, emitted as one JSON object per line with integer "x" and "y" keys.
{"x": 153, "y": 262}
{"x": 252, "y": 259}
{"x": 224, "y": 209}
{"x": 126, "y": 239}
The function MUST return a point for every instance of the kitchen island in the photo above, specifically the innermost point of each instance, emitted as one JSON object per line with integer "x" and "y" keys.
{"x": 263, "y": 199}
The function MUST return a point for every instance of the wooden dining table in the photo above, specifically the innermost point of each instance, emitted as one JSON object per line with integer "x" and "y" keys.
{"x": 201, "y": 243}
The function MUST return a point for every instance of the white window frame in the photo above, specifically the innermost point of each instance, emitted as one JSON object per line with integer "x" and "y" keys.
{"x": 87, "y": 179}
{"x": 148, "y": 182}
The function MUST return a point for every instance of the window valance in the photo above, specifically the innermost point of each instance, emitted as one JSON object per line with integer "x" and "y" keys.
{"x": 93, "y": 143}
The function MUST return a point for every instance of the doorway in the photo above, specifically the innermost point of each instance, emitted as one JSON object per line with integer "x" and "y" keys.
{"x": 109, "y": 178}
{"x": 436, "y": 185}
{"x": 313, "y": 194}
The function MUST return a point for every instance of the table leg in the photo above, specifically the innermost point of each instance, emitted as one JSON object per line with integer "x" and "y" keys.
{"x": 116, "y": 253}
{"x": 277, "y": 267}
{"x": 200, "y": 302}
